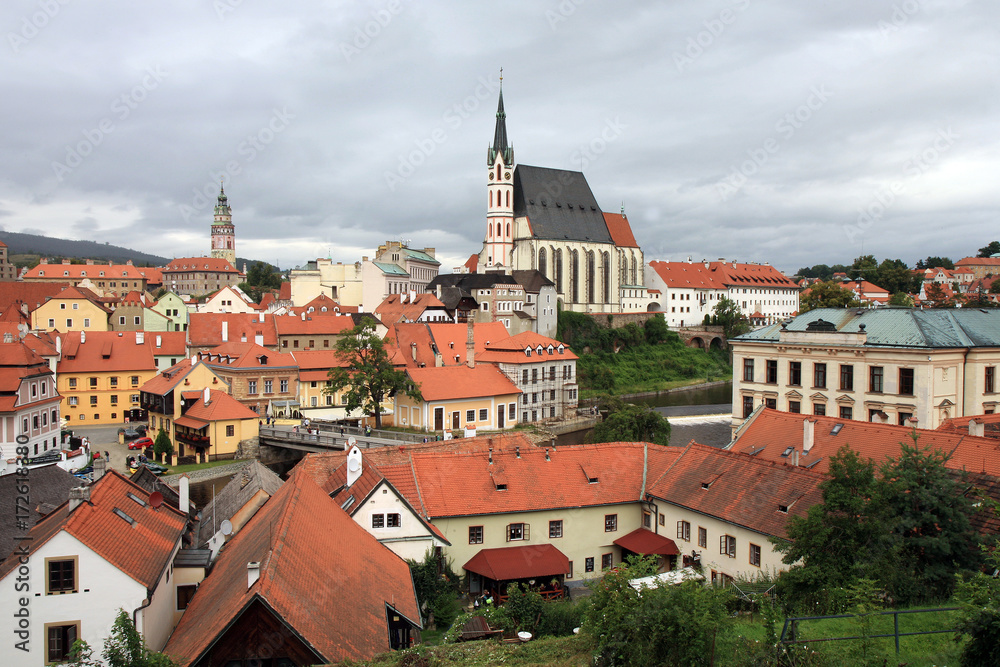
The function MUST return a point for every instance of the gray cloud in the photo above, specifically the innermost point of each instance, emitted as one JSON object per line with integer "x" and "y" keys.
{"x": 164, "y": 99}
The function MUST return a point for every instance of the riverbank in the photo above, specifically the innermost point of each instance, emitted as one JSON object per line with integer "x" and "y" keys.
{"x": 638, "y": 397}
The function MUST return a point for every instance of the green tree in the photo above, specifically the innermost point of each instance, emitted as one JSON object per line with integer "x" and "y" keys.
{"x": 627, "y": 422}
{"x": 979, "y": 298}
{"x": 729, "y": 315}
{"x": 937, "y": 298}
{"x": 366, "y": 372}
{"x": 901, "y": 299}
{"x": 664, "y": 625}
{"x": 979, "y": 596}
{"x": 124, "y": 647}
{"x": 895, "y": 276}
{"x": 261, "y": 278}
{"x": 865, "y": 268}
{"x": 821, "y": 271}
{"x": 935, "y": 262}
{"x": 992, "y": 248}
{"x": 162, "y": 445}
{"x": 827, "y": 295}
{"x": 436, "y": 586}
{"x": 656, "y": 329}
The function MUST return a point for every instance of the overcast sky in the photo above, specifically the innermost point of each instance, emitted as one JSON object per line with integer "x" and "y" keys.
{"x": 788, "y": 132}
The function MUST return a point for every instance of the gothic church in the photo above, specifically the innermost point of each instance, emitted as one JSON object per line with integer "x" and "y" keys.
{"x": 548, "y": 219}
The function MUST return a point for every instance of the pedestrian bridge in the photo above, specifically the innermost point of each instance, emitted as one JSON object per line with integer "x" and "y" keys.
{"x": 325, "y": 438}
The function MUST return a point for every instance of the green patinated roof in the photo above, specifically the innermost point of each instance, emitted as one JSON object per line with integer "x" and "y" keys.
{"x": 421, "y": 255}
{"x": 390, "y": 268}
{"x": 901, "y": 327}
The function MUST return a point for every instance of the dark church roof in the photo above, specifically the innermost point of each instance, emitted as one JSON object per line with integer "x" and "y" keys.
{"x": 559, "y": 205}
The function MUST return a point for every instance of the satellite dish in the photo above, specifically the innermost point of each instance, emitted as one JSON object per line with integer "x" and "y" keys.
{"x": 226, "y": 527}
{"x": 156, "y": 499}
{"x": 352, "y": 441}
{"x": 354, "y": 465}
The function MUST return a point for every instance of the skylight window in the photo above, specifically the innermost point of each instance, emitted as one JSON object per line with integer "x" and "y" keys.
{"x": 788, "y": 451}
{"x": 124, "y": 516}
{"x": 136, "y": 499}
{"x": 836, "y": 429}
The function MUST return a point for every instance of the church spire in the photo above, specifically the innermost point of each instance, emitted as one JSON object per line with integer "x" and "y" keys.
{"x": 500, "y": 146}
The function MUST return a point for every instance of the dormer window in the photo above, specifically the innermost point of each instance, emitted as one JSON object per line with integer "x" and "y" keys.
{"x": 41, "y": 273}
{"x": 551, "y": 349}
{"x": 561, "y": 348}
{"x": 539, "y": 350}
{"x": 527, "y": 351}
{"x": 65, "y": 273}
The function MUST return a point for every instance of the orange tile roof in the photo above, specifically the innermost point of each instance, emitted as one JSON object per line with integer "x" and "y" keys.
{"x": 978, "y": 261}
{"x": 285, "y": 291}
{"x": 418, "y": 339}
{"x": 81, "y": 271}
{"x": 644, "y": 541}
{"x": 142, "y": 551}
{"x": 455, "y": 382}
{"x": 221, "y": 407}
{"x": 507, "y": 563}
{"x": 771, "y": 433}
{"x": 687, "y": 275}
{"x": 31, "y": 294}
{"x": 319, "y": 303}
{"x": 399, "y": 308}
{"x": 299, "y": 537}
{"x": 245, "y": 355}
{"x": 738, "y": 488}
{"x": 511, "y": 350}
{"x": 106, "y": 351}
{"x": 312, "y": 324}
{"x": 205, "y": 329}
{"x": 172, "y": 343}
{"x": 211, "y": 264}
{"x": 621, "y": 231}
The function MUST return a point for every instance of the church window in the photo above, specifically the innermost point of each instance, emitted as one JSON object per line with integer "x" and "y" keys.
{"x": 590, "y": 276}
{"x": 606, "y": 276}
{"x": 634, "y": 278}
{"x": 491, "y": 199}
{"x": 498, "y": 229}
{"x": 542, "y": 265}
{"x": 508, "y": 198}
{"x": 557, "y": 260}
{"x": 508, "y": 230}
{"x": 574, "y": 276}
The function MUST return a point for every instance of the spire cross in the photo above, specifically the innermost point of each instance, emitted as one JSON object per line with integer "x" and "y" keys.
{"x": 501, "y": 76}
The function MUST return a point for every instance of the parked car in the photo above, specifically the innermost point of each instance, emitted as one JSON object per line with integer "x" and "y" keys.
{"x": 140, "y": 429}
{"x": 128, "y": 433}
{"x": 154, "y": 467}
{"x": 141, "y": 443}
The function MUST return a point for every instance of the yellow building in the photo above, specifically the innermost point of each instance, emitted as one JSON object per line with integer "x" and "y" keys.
{"x": 99, "y": 374}
{"x": 191, "y": 403}
{"x": 459, "y": 397}
{"x": 73, "y": 309}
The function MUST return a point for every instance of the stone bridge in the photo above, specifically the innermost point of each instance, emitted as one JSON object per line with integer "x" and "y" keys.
{"x": 703, "y": 337}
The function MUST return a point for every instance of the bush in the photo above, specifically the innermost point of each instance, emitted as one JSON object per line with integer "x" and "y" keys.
{"x": 560, "y": 617}
{"x": 524, "y": 606}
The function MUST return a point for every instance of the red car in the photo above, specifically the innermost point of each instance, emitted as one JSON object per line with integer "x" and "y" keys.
{"x": 141, "y": 443}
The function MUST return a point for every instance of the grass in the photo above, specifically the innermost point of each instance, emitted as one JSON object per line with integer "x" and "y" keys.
{"x": 555, "y": 651}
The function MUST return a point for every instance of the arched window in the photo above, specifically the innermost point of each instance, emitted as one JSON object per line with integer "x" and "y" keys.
{"x": 542, "y": 265}
{"x": 508, "y": 198}
{"x": 634, "y": 272}
{"x": 499, "y": 229}
{"x": 508, "y": 230}
{"x": 590, "y": 276}
{"x": 574, "y": 276}
{"x": 498, "y": 172}
{"x": 606, "y": 276}
{"x": 489, "y": 229}
{"x": 557, "y": 277}
{"x": 491, "y": 199}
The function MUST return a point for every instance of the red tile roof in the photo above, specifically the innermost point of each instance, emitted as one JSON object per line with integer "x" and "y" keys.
{"x": 644, "y": 541}
{"x": 93, "y": 270}
{"x": 621, "y": 231}
{"x": 285, "y": 291}
{"x": 719, "y": 275}
{"x": 323, "y": 574}
{"x": 142, "y": 551}
{"x": 738, "y": 488}
{"x": 315, "y": 365}
{"x": 507, "y": 563}
{"x": 199, "y": 264}
{"x": 399, "y": 307}
{"x": 456, "y": 382}
{"x": 31, "y": 294}
{"x": 205, "y": 329}
{"x": 322, "y": 304}
{"x": 312, "y": 324}
{"x": 221, "y": 407}
{"x": 771, "y": 433}
{"x": 511, "y": 350}
{"x": 418, "y": 339}
{"x": 245, "y": 355}
{"x": 106, "y": 351}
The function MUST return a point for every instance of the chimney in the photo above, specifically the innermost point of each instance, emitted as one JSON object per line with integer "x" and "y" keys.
{"x": 253, "y": 573}
{"x": 977, "y": 428}
{"x": 470, "y": 347}
{"x": 100, "y": 467}
{"x": 140, "y": 337}
{"x": 83, "y": 336}
{"x": 259, "y": 338}
{"x": 795, "y": 457}
{"x": 208, "y": 396}
{"x": 303, "y": 316}
{"x": 413, "y": 295}
{"x": 225, "y": 331}
{"x": 353, "y": 466}
{"x": 491, "y": 454}
{"x": 78, "y": 496}
{"x": 159, "y": 342}
{"x": 413, "y": 350}
{"x": 547, "y": 458}
{"x": 184, "y": 490}
{"x": 808, "y": 435}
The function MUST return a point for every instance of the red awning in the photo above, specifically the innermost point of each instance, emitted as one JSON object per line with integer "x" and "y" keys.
{"x": 508, "y": 563}
{"x": 642, "y": 541}
{"x": 190, "y": 422}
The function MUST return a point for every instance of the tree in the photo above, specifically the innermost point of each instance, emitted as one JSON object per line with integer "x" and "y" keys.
{"x": 901, "y": 299}
{"x": 935, "y": 262}
{"x": 992, "y": 248}
{"x": 865, "y": 268}
{"x": 124, "y": 647}
{"x": 821, "y": 271}
{"x": 162, "y": 446}
{"x": 656, "y": 329}
{"x": 730, "y": 316}
{"x": 261, "y": 278}
{"x": 979, "y": 298}
{"x": 627, "y": 422}
{"x": 366, "y": 373}
{"x": 895, "y": 276}
{"x": 936, "y": 297}
{"x": 827, "y": 295}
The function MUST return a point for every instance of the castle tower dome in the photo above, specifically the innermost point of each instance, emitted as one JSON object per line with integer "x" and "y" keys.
{"x": 223, "y": 231}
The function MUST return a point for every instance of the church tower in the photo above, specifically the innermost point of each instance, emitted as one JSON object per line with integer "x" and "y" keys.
{"x": 498, "y": 244}
{"x": 223, "y": 232}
